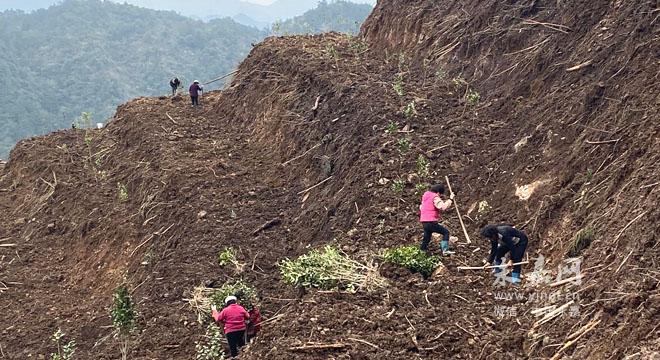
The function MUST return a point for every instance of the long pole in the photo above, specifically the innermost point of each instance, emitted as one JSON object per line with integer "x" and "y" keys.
{"x": 467, "y": 237}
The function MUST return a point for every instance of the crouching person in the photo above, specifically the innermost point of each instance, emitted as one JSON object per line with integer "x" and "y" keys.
{"x": 504, "y": 239}
{"x": 254, "y": 325}
{"x": 233, "y": 316}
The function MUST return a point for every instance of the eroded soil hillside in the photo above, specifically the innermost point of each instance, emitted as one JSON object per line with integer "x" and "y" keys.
{"x": 561, "y": 97}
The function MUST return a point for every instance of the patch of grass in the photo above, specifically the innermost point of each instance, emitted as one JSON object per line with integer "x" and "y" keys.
{"x": 410, "y": 111}
{"x": 329, "y": 269}
{"x": 580, "y": 241}
{"x": 412, "y": 258}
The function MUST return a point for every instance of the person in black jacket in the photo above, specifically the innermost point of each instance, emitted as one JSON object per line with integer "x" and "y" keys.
{"x": 174, "y": 84}
{"x": 504, "y": 239}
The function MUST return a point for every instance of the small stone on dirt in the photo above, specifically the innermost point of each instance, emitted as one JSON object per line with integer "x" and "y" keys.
{"x": 201, "y": 214}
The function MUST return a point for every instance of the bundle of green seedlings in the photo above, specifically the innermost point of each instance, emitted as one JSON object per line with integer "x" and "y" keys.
{"x": 330, "y": 269}
{"x": 203, "y": 297}
{"x": 413, "y": 258}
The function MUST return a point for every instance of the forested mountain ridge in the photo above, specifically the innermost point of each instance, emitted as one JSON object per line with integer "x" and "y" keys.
{"x": 93, "y": 55}
{"x": 342, "y": 16}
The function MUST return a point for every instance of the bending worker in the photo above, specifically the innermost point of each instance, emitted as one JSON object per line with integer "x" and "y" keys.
{"x": 234, "y": 317}
{"x": 504, "y": 239}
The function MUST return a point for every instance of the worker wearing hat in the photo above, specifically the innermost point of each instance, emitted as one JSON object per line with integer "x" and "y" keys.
{"x": 194, "y": 90}
{"x": 234, "y": 317}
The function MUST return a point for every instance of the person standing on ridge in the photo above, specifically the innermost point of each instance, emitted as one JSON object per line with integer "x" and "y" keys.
{"x": 503, "y": 239}
{"x": 174, "y": 84}
{"x": 195, "y": 89}
{"x": 429, "y": 215}
{"x": 234, "y": 317}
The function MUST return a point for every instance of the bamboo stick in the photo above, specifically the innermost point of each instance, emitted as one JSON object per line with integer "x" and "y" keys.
{"x": 467, "y": 237}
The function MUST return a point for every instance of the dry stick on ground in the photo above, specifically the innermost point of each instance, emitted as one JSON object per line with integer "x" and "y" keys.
{"x": 267, "y": 225}
{"x": 620, "y": 266}
{"x": 460, "y": 219}
{"x": 490, "y": 266}
{"x": 365, "y": 342}
{"x": 299, "y": 156}
{"x": 628, "y": 225}
{"x": 583, "y": 331}
{"x": 579, "y": 66}
{"x": 315, "y": 186}
{"x": 602, "y": 142}
{"x": 565, "y": 281}
{"x": 553, "y": 314}
{"x": 168, "y": 115}
{"x": 318, "y": 347}
{"x": 7, "y": 245}
{"x": 649, "y": 185}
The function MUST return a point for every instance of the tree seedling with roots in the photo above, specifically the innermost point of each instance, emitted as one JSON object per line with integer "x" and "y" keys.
{"x": 228, "y": 257}
{"x": 410, "y": 111}
{"x": 64, "y": 352}
{"x": 124, "y": 318}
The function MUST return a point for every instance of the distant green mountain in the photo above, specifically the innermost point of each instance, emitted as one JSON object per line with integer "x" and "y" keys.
{"x": 342, "y": 16}
{"x": 92, "y": 55}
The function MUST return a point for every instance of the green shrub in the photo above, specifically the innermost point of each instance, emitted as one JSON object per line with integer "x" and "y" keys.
{"x": 410, "y": 111}
{"x": 392, "y": 127}
{"x": 226, "y": 257}
{"x": 423, "y": 166}
{"x": 398, "y": 186}
{"x": 398, "y": 85}
{"x": 122, "y": 192}
{"x": 124, "y": 318}
{"x": 329, "y": 269}
{"x": 473, "y": 97}
{"x": 246, "y": 295}
{"x": 403, "y": 145}
{"x": 212, "y": 349}
{"x": 420, "y": 189}
{"x": 413, "y": 258}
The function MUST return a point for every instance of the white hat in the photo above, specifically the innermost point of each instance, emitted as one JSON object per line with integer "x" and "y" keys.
{"x": 196, "y": 81}
{"x": 230, "y": 298}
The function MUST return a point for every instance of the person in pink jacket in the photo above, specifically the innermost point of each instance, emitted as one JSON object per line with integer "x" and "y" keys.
{"x": 234, "y": 317}
{"x": 429, "y": 215}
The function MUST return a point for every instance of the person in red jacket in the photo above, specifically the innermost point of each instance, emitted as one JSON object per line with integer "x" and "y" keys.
{"x": 194, "y": 90}
{"x": 254, "y": 325}
{"x": 429, "y": 215}
{"x": 234, "y": 317}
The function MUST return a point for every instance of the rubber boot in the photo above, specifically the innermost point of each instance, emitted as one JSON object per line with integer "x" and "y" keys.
{"x": 497, "y": 270}
{"x": 444, "y": 245}
{"x": 515, "y": 277}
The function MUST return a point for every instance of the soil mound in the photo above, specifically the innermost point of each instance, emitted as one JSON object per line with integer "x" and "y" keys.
{"x": 335, "y": 136}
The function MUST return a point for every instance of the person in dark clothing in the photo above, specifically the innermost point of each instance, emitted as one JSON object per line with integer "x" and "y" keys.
{"x": 429, "y": 215}
{"x": 503, "y": 239}
{"x": 174, "y": 84}
{"x": 195, "y": 89}
{"x": 254, "y": 324}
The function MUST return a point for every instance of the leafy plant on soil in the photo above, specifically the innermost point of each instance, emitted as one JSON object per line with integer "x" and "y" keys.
{"x": 246, "y": 294}
{"x": 421, "y": 188}
{"x": 413, "y": 258}
{"x": 124, "y": 318}
{"x": 398, "y": 186}
{"x": 226, "y": 257}
{"x": 473, "y": 97}
{"x": 122, "y": 192}
{"x": 409, "y": 111}
{"x": 212, "y": 349}
{"x": 392, "y": 127}
{"x": 64, "y": 352}
{"x": 403, "y": 145}
{"x": 398, "y": 85}
{"x": 329, "y": 269}
{"x": 581, "y": 241}
{"x": 423, "y": 166}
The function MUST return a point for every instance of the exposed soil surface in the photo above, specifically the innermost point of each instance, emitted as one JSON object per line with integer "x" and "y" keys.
{"x": 567, "y": 104}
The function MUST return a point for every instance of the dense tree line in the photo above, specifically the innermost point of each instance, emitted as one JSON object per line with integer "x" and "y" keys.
{"x": 91, "y": 55}
{"x": 342, "y": 16}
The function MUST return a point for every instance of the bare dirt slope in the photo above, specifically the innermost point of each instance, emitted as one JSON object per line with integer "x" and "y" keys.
{"x": 578, "y": 81}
